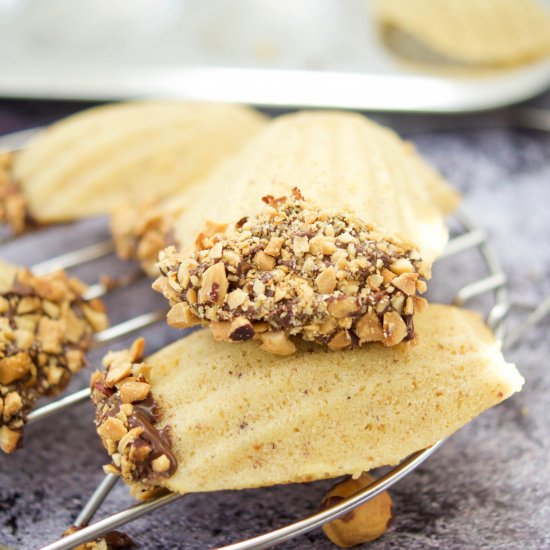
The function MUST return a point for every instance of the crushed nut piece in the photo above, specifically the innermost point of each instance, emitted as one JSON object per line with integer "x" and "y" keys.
{"x": 263, "y": 261}
{"x": 112, "y": 428}
{"x": 326, "y": 280}
{"x": 277, "y": 343}
{"x": 160, "y": 464}
{"x": 14, "y": 368}
{"x": 50, "y": 334}
{"x": 343, "y": 307}
{"x": 12, "y": 404}
{"x": 395, "y": 329}
{"x": 340, "y": 340}
{"x": 134, "y": 391}
{"x": 238, "y": 330}
{"x": 402, "y": 265}
{"x": 119, "y": 370}
{"x": 369, "y": 328}
{"x": 236, "y": 298}
{"x": 273, "y": 247}
{"x": 9, "y": 439}
{"x": 181, "y": 316}
{"x": 406, "y": 282}
{"x": 214, "y": 285}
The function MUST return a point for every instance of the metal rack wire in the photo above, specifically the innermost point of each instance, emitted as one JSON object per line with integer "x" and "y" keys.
{"x": 469, "y": 237}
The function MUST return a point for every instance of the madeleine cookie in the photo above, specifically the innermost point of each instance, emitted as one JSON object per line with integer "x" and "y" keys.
{"x": 46, "y": 326}
{"x": 472, "y": 32}
{"x": 351, "y": 221}
{"x": 198, "y": 416}
{"x": 116, "y": 155}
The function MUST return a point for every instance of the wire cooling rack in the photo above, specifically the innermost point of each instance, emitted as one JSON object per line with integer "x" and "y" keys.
{"x": 466, "y": 237}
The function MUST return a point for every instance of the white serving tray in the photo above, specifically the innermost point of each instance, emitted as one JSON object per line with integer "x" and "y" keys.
{"x": 284, "y": 53}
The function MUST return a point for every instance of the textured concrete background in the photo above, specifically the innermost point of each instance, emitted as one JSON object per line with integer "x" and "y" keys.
{"x": 487, "y": 487}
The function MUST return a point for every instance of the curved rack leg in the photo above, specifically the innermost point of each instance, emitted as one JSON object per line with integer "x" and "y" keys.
{"x": 96, "y": 500}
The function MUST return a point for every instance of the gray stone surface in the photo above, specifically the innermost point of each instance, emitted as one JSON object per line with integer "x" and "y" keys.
{"x": 487, "y": 487}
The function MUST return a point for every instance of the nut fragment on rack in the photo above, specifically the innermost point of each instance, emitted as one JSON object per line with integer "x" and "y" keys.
{"x": 324, "y": 275}
{"x": 364, "y": 523}
{"x": 44, "y": 333}
{"x": 126, "y": 419}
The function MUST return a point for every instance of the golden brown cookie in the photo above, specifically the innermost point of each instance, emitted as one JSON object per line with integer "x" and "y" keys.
{"x": 472, "y": 32}
{"x": 118, "y": 155}
{"x": 200, "y": 416}
{"x": 323, "y": 227}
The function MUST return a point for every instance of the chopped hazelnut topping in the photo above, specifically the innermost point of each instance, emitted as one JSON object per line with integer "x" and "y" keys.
{"x": 220, "y": 330}
{"x": 397, "y": 303}
{"x": 23, "y": 339}
{"x": 136, "y": 350}
{"x": 319, "y": 274}
{"x": 126, "y": 420}
{"x": 43, "y": 337}
{"x": 387, "y": 276}
{"x": 204, "y": 239}
{"x": 55, "y": 375}
{"x": 375, "y": 281}
{"x": 95, "y": 316}
{"x": 408, "y": 308}
{"x": 322, "y": 245}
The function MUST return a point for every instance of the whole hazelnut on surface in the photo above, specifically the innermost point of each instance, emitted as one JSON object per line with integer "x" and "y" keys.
{"x": 364, "y": 523}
